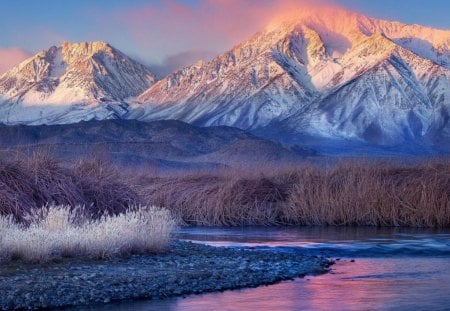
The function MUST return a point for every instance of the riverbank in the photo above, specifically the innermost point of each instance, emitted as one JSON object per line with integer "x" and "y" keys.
{"x": 187, "y": 268}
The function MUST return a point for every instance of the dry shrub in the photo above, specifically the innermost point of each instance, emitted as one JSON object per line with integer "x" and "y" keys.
{"x": 60, "y": 234}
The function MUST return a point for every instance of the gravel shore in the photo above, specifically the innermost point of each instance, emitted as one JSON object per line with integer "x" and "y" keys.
{"x": 187, "y": 268}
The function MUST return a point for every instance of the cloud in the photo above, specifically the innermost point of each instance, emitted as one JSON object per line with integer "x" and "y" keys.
{"x": 179, "y": 60}
{"x": 9, "y": 57}
{"x": 168, "y": 27}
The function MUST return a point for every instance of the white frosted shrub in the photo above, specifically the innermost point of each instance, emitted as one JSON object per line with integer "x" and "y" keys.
{"x": 57, "y": 235}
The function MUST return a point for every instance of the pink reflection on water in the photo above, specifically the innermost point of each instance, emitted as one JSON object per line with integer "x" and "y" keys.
{"x": 255, "y": 244}
{"x": 390, "y": 279}
{"x": 367, "y": 284}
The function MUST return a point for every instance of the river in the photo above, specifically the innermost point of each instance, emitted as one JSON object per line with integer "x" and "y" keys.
{"x": 376, "y": 269}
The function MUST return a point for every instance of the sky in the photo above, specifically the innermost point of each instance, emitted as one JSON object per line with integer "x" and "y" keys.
{"x": 168, "y": 34}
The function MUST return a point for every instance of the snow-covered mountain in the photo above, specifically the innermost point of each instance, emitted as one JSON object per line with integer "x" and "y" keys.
{"x": 73, "y": 82}
{"x": 321, "y": 72}
{"x": 318, "y": 72}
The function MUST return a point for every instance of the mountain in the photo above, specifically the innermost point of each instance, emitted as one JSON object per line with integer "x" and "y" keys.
{"x": 319, "y": 75}
{"x": 73, "y": 82}
{"x": 158, "y": 145}
{"x": 325, "y": 73}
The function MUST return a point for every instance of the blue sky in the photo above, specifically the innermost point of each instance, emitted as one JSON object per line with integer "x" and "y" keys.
{"x": 434, "y": 13}
{"x": 144, "y": 29}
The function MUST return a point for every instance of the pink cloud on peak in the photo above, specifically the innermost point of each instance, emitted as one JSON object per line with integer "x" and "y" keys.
{"x": 213, "y": 25}
{"x": 9, "y": 57}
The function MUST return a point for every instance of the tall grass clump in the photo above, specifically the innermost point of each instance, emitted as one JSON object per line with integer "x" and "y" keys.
{"x": 218, "y": 199}
{"x": 59, "y": 232}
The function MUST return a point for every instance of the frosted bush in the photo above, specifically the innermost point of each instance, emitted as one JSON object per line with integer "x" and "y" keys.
{"x": 60, "y": 234}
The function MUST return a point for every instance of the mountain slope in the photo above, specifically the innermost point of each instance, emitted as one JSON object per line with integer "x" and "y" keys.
{"x": 330, "y": 73}
{"x": 401, "y": 97}
{"x": 253, "y": 84}
{"x": 70, "y": 83}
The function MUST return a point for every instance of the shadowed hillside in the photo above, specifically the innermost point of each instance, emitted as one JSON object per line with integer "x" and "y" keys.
{"x": 160, "y": 144}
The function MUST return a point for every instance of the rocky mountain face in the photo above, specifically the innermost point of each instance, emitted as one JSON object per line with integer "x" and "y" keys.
{"x": 328, "y": 73}
{"x": 73, "y": 82}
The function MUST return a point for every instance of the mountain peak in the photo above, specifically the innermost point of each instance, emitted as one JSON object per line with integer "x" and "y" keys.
{"x": 86, "y": 45}
{"x": 333, "y": 20}
{"x": 79, "y": 77}
{"x": 86, "y": 48}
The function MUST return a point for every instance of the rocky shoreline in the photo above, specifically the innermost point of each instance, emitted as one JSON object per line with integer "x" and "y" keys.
{"x": 187, "y": 268}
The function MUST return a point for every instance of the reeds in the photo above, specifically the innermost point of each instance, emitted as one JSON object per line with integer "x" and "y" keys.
{"x": 351, "y": 192}
{"x": 347, "y": 193}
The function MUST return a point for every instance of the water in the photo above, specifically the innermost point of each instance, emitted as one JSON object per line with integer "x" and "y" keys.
{"x": 393, "y": 269}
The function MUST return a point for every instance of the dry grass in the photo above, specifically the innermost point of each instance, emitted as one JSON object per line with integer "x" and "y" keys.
{"x": 346, "y": 193}
{"x": 61, "y": 233}
{"x": 352, "y": 192}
